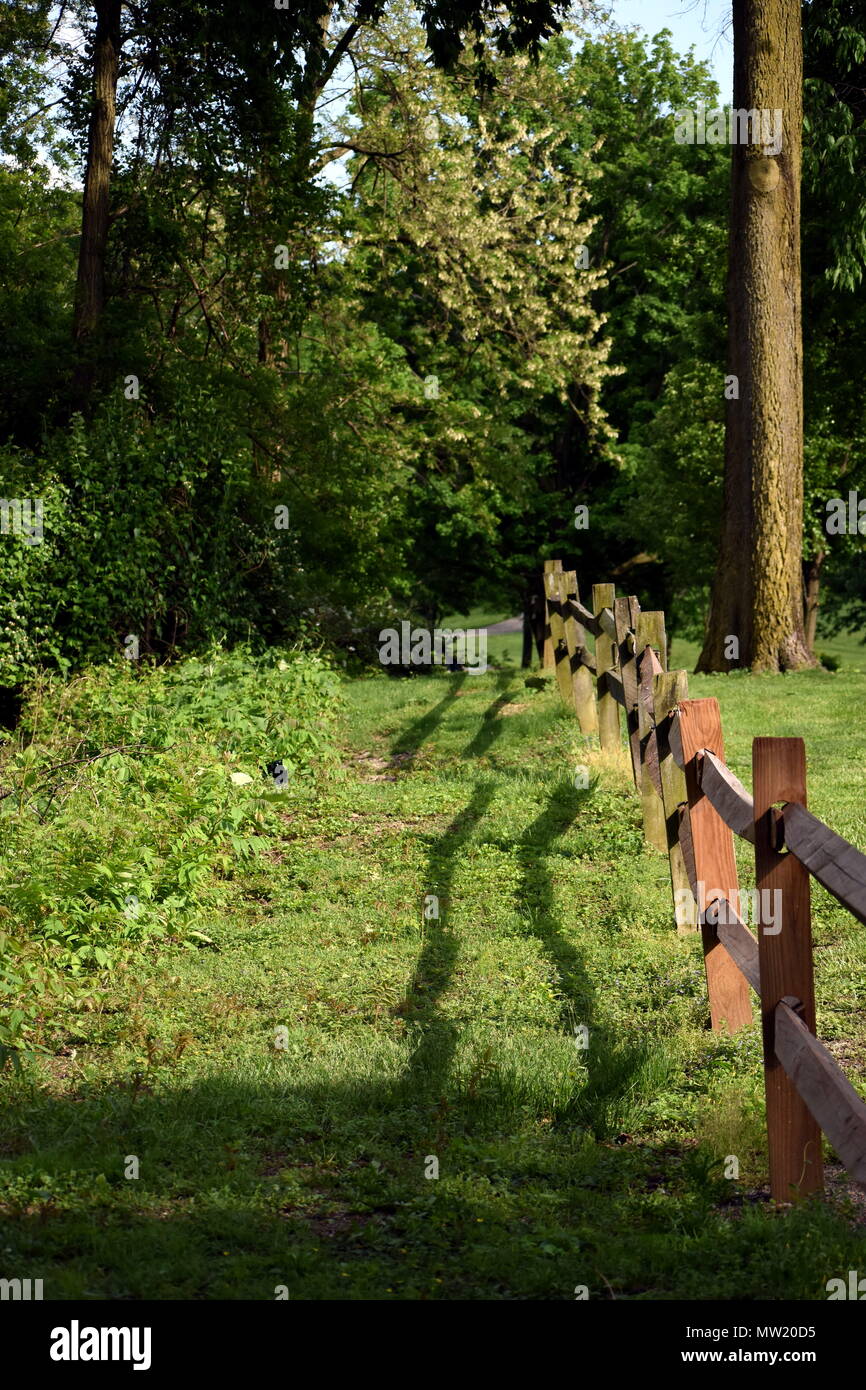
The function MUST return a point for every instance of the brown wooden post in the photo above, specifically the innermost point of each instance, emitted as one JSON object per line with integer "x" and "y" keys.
{"x": 625, "y": 612}
{"x": 605, "y": 660}
{"x": 555, "y": 582}
{"x": 669, "y": 689}
{"x": 650, "y": 632}
{"x": 785, "y": 955}
{"x": 715, "y": 868}
{"x": 575, "y": 639}
{"x": 547, "y": 658}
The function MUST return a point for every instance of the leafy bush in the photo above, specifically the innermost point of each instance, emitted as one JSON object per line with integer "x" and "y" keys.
{"x": 149, "y": 529}
{"x": 129, "y": 795}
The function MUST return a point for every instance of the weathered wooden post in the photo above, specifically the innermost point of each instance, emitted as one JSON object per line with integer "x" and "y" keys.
{"x": 575, "y": 640}
{"x": 555, "y": 584}
{"x": 605, "y": 660}
{"x": 785, "y": 955}
{"x": 547, "y": 659}
{"x": 625, "y": 616}
{"x": 650, "y": 633}
{"x": 669, "y": 688}
{"x": 711, "y": 851}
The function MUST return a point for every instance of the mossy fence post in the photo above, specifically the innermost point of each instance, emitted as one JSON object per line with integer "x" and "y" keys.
{"x": 605, "y": 661}
{"x": 547, "y": 658}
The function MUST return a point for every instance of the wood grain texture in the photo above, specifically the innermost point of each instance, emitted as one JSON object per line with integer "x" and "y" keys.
{"x": 555, "y": 586}
{"x": 728, "y": 796}
{"x": 650, "y": 632}
{"x": 625, "y": 613}
{"x": 648, "y": 667}
{"x": 601, "y": 624}
{"x": 614, "y": 685}
{"x": 699, "y": 726}
{"x": 669, "y": 687}
{"x": 606, "y": 620}
{"x": 605, "y": 660}
{"x": 829, "y": 1095}
{"x": 779, "y": 774}
{"x": 583, "y": 688}
{"x": 547, "y": 661}
{"x": 586, "y": 618}
{"x": 831, "y": 860}
{"x": 737, "y": 940}
{"x": 676, "y": 742}
{"x": 688, "y": 849}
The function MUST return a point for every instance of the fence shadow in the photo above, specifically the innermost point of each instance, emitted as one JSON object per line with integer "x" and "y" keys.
{"x": 410, "y": 741}
{"x": 434, "y": 1037}
{"x": 613, "y": 1065}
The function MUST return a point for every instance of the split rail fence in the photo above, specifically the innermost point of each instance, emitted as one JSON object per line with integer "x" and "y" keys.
{"x": 693, "y": 805}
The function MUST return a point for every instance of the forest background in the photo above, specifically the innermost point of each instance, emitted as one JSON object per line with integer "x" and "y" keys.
{"x": 348, "y": 335}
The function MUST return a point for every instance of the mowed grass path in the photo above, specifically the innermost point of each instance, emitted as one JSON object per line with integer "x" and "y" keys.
{"x": 304, "y": 1158}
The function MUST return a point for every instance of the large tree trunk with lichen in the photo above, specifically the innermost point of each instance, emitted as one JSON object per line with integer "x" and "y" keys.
{"x": 758, "y": 587}
{"x": 90, "y": 283}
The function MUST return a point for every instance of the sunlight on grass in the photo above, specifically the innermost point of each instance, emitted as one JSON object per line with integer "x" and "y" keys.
{"x": 339, "y": 1040}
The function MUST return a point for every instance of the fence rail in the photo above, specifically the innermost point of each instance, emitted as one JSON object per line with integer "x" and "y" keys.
{"x": 693, "y": 805}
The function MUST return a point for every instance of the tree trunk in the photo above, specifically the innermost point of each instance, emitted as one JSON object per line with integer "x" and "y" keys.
{"x": 274, "y": 285}
{"x": 757, "y": 590}
{"x": 537, "y": 614}
{"x": 528, "y": 634}
{"x": 298, "y": 173}
{"x": 811, "y": 601}
{"x": 90, "y": 284}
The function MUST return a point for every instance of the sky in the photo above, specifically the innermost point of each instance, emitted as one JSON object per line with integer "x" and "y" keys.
{"x": 693, "y": 23}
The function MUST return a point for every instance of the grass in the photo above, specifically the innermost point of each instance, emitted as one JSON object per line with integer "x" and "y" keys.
{"x": 288, "y": 1094}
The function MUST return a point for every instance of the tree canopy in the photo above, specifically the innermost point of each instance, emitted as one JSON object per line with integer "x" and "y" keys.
{"x": 384, "y": 294}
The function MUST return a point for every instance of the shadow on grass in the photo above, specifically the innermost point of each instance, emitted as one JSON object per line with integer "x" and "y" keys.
{"x": 490, "y": 727}
{"x": 259, "y": 1174}
{"x": 434, "y": 1037}
{"x": 618, "y": 1072}
{"x": 418, "y": 732}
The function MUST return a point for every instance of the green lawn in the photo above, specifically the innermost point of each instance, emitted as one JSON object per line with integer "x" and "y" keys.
{"x": 302, "y": 1158}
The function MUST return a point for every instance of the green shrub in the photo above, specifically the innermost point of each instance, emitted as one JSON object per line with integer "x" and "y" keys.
{"x": 131, "y": 793}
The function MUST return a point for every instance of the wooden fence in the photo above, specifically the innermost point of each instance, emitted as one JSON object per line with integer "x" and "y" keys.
{"x": 693, "y": 805}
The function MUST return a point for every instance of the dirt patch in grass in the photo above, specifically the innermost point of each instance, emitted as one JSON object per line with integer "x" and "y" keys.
{"x": 847, "y": 1055}
{"x": 842, "y": 1187}
{"x": 341, "y": 1223}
